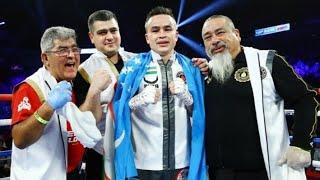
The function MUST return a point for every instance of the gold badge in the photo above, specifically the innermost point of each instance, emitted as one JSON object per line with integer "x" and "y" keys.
{"x": 242, "y": 75}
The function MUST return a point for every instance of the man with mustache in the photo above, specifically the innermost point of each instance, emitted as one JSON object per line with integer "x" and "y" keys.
{"x": 246, "y": 131}
{"x": 48, "y": 130}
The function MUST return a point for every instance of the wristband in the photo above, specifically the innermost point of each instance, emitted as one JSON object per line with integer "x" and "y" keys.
{"x": 40, "y": 119}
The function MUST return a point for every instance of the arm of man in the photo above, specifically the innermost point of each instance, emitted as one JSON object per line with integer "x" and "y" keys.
{"x": 30, "y": 117}
{"x": 202, "y": 64}
{"x": 295, "y": 91}
{"x": 100, "y": 81}
{"x": 149, "y": 95}
{"x": 30, "y": 130}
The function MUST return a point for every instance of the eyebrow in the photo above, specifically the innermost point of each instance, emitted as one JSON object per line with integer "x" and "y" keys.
{"x": 207, "y": 33}
{"x": 216, "y": 30}
{"x": 64, "y": 47}
{"x": 221, "y": 28}
{"x": 106, "y": 30}
{"x": 102, "y": 30}
{"x": 165, "y": 26}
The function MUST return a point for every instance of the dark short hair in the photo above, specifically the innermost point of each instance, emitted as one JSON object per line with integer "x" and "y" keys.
{"x": 157, "y": 11}
{"x": 100, "y": 15}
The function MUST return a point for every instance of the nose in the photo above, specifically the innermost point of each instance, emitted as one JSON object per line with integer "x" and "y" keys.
{"x": 109, "y": 36}
{"x": 162, "y": 33}
{"x": 72, "y": 54}
{"x": 215, "y": 41}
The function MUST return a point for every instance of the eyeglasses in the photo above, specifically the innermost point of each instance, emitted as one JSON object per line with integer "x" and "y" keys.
{"x": 65, "y": 52}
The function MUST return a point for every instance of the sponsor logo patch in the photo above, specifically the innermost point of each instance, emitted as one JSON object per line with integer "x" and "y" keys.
{"x": 24, "y": 104}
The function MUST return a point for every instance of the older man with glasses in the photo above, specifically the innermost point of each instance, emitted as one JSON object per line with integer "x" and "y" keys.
{"x": 64, "y": 52}
{"x": 49, "y": 132}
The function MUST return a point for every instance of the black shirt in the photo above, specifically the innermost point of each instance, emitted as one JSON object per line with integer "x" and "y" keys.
{"x": 230, "y": 110}
{"x": 232, "y": 137}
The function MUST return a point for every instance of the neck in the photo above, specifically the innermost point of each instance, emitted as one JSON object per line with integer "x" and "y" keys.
{"x": 165, "y": 61}
{"x": 166, "y": 58}
{"x": 235, "y": 54}
{"x": 114, "y": 59}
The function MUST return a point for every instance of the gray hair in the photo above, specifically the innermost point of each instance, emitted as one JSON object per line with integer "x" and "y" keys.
{"x": 53, "y": 33}
{"x": 216, "y": 16}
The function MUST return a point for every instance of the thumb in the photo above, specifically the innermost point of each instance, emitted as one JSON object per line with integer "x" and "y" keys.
{"x": 282, "y": 160}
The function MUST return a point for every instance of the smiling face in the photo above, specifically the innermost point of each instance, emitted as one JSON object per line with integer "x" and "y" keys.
{"x": 106, "y": 37}
{"x": 219, "y": 35}
{"x": 161, "y": 34}
{"x": 62, "y": 67}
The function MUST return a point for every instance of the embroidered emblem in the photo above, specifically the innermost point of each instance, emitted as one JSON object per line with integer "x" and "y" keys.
{"x": 181, "y": 75}
{"x": 151, "y": 77}
{"x": 242, "y": 75}
{"x": 263, "y": 72}
{"x": 24, "y": 104}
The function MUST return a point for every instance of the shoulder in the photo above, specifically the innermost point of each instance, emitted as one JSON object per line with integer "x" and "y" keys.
{"x": 137, "y": 59}
{"x": 94, "y": 59}
{"x": 23, "y": 87}
{"x": 280, "y": 60}
{"x": 185, "y": 62}
{"x": 24, "y": 102}
{"x": 125, "y": 55}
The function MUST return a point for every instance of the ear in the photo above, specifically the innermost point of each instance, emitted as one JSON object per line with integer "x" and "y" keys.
{"x": 237, "y": 33}
{"x": 147, "y": 38}
{"x": 44, "y": 59}
{"x": 177, "y": 35}
{"x": 91, "y": 37}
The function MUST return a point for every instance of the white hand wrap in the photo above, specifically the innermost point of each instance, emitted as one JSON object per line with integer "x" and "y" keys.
{"x": 296, "y": 158}
{"x": 181, "y": 91}
{"x": 147, "y": 96}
